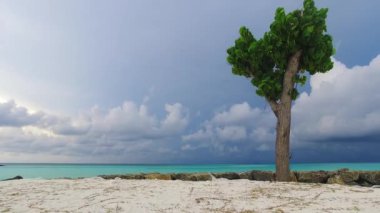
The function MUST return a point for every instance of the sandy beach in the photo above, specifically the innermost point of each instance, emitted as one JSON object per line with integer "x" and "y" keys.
{"x": 219, "y": 195}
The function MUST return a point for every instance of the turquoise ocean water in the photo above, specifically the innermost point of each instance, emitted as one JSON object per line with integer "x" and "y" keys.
{"x": 48, "y": 171}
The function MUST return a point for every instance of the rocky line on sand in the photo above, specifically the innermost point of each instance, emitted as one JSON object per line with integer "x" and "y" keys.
{"x": 343, "y": 176}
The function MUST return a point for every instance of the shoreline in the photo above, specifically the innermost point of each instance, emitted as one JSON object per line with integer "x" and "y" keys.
{"x": 51, "y": 171}
{"x": 217, "y": 195}
{"x": 342, "y": 177}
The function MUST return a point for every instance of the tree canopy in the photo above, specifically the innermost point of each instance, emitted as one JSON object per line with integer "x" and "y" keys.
{"x": 265, "y": 60}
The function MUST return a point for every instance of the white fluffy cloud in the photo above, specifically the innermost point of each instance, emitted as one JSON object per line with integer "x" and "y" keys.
{"x": 231, "y": 133}
{"x": 129, "y": 122}
{"x": 13, "y": 115}
{"x": 176, "y": 118}
{"x": 119, "y": 133}
{"x": 239, "y": 124}
{"x": 343, "y": 105}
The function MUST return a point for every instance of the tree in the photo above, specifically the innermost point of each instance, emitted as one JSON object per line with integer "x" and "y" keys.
{"x": 295, "y": 45}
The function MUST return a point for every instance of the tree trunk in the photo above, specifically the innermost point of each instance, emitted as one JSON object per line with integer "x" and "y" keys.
{"x": 282, "y": 111}
{"x": 282, "y": 142}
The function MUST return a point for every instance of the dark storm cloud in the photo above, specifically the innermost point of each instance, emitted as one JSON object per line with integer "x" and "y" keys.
{"x": 67, "y": 56}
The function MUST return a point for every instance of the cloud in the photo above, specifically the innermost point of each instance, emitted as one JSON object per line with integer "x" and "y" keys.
{"x": 17, "y": 116}
{"x": 242, "y": 124}
{"x": 231, "y": 133}
{"x": 238, "y": 113}
{"x": 342, "y": 109}
{"x": 68, "y": 126}
{"x": 120, "y": 133}
{"x": 343, "y": 104}
{"x": 176, "y": 118}
{"x": 203, "y": 134}
{"x": 128, "y": 121}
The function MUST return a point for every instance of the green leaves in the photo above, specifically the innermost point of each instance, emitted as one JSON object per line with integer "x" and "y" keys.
{"x": 308, "y": 30}
{"x": 239, "y": 55}
{"x": 270, "y": 85}
{"x": 301, "y": 79}
{"x": 266, "y": 60}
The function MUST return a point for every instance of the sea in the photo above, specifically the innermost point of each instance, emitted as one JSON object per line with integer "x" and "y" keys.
{"x": 52, "y": 171}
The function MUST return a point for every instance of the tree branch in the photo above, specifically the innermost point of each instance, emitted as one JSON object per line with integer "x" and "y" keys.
{"x": 274, "y": 106}
{"x": 291, "y": 71}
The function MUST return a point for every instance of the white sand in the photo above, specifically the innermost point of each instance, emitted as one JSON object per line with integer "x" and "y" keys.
{"x": 98, "y": 195}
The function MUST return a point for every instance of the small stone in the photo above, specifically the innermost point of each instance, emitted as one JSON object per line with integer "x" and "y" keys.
{"x": 293, "y": 177}
{"x": 343, "y": 170}
{"x": 203, "y": 176}
{"x": 312, "y": 177}
{"x": 191, "y": 176}
{"x": 336, "y": 179}
{"x": 181, "y": 176}
{"x": 262, "y": 175}
{"x": 158, "y": 176}
{"x": 349, "y": 178}
{"x": 245, "y": 175}
{"x": 371, "y": 177}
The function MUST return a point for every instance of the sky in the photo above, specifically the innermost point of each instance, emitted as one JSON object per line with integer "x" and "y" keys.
{"x": 145, "y": 81}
